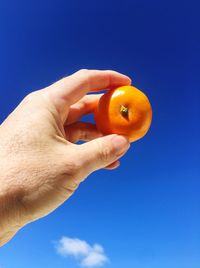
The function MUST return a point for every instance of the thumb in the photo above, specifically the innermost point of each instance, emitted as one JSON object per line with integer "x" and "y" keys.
{"x": 101, "y": 152}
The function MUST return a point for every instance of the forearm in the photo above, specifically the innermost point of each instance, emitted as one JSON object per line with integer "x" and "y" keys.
{"x": 10, "y": 221}
{"x": 6, "y": 235}
{"x": 6, "y": 228}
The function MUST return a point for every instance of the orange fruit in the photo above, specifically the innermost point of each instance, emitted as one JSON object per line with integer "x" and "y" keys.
{"x": 125, "y": 111}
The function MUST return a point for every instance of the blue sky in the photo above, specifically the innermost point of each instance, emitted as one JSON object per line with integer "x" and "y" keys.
{"x": 145, "y": 214}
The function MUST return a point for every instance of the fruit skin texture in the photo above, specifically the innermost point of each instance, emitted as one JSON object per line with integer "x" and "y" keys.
{"x": 125, "y": 111}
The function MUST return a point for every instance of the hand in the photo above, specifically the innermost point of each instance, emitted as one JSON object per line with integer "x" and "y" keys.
{"x": 40, "y": 164}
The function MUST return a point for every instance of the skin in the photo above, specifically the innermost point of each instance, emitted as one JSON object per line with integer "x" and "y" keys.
{"x": 40, "y": 163}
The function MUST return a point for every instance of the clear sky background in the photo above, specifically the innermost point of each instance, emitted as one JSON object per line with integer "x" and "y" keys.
{"x": 145, "y": 214}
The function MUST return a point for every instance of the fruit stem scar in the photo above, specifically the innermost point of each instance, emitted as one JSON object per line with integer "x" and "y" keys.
{"x": 124, "y": 110}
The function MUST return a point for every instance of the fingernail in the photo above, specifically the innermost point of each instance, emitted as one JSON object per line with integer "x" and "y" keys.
{"x": 120, "y": 143}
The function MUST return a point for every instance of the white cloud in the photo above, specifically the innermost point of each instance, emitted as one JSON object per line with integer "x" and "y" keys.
{"x": 94, "y": 259}
{"x": 74, "y": 247}
{"x": 87, "y": 255}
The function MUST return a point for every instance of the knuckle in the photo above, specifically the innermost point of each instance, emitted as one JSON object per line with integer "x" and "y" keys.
{"x": 85, "y": 76}
{"x": 72, "y": 168}
{"x": 105, "y": 152}
{"x": 83, "y": 71}
{"x": 71, "y": 186}
{"x": 28, "y": 98}
{"x": 31, "y": 96}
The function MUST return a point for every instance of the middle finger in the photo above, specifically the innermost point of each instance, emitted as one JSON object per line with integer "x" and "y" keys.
{"x": 84, "y": 106}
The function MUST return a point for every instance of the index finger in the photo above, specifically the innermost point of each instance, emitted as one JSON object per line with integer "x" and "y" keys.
{"x": 70, "y": 89}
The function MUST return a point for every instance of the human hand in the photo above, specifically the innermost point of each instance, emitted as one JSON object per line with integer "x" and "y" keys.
{"x": 40, "y": 164}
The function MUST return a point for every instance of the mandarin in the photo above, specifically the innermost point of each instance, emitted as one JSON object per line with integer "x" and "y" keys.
{"x": 125, "y": 111}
